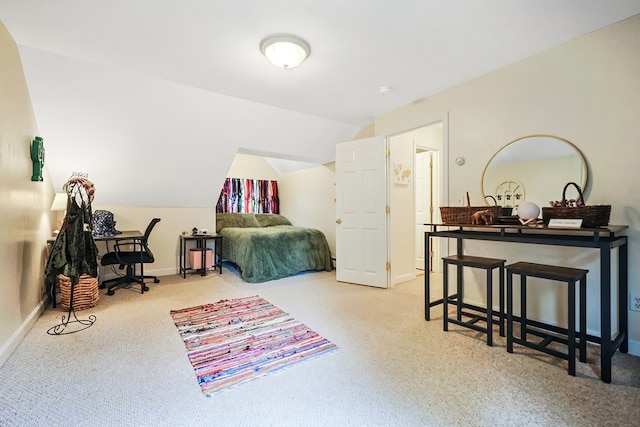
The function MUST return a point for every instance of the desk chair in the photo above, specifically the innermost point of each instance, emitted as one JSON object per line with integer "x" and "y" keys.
{"x": 137, "y": 252}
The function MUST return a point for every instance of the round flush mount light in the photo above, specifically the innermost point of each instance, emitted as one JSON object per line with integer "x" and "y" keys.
{"x": 285, "y": 50}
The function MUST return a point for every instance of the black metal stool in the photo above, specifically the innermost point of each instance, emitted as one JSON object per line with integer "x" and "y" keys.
{"x": 559, "y": 274}
{"x": 487, "y": 264}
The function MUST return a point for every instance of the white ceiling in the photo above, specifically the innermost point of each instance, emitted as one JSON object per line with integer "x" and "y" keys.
{"x": 169, "y": 81}
{"x": 416, "y": 47}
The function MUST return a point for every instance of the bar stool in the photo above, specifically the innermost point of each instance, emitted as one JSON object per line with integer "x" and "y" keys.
{"x": 487, "y": 264}
{"x": 558, "y": 274}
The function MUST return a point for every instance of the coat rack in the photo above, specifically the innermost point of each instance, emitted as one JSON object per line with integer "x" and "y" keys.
{"x": 74, "y": 252}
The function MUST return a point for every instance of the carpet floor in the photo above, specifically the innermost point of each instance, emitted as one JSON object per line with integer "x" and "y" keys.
{"x": 392, "y": 368}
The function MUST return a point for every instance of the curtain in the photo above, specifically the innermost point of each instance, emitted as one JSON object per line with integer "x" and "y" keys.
{"x": 248, "y": 196}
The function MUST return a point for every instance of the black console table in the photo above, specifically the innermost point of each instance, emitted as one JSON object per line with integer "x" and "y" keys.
{"x": 603, "y": 239}
{"x": 201, "y": 243}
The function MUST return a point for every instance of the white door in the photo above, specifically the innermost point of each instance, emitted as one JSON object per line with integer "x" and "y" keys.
{"x": 423, "y": 204}
{"x": 361, "y": 218}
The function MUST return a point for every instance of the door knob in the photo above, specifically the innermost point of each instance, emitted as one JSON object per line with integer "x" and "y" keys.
{"x": 338, "y": 221}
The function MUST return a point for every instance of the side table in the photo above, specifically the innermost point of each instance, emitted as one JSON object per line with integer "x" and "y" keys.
{"x": 201, "y": 243}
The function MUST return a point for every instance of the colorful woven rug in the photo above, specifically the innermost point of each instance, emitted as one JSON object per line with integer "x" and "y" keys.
{"x": 233, "y": 341}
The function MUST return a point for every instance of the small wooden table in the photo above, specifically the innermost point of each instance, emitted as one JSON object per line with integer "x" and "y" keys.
{"x": 201, "y": 243}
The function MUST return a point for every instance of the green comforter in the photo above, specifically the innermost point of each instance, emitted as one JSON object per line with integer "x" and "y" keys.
{"x": 268, "y": 253}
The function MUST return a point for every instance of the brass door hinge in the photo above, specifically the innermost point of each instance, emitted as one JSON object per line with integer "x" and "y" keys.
{"x": 388, "y": 266}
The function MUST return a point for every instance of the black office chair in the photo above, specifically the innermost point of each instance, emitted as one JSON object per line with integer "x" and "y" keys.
{"x": 137, "y": 252}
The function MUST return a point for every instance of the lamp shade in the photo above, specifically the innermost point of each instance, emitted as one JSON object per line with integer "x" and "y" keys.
{"x": 59, "y": 202}
{"x": 285, "y": 51}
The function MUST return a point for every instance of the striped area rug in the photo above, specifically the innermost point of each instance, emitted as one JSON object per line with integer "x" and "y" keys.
{"x": 236, "y": 340}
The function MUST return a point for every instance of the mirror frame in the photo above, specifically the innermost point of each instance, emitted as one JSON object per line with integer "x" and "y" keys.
{"x": 583, "y": 185}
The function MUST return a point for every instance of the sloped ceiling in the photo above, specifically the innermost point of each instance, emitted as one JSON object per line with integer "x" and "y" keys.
{"x": 154, "y": 98}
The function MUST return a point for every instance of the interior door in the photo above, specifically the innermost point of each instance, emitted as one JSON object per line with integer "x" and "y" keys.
{"x": 423, "y": 191}
{"x": 361, "y": 214}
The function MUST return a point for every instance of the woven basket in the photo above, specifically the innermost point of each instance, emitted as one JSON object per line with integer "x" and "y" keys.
{"x": 85, "y": 292}
{"x": 463, "y": 214}
{"x": 591, "y": 216}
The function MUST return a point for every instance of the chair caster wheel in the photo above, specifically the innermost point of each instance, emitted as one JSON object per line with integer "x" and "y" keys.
{"x": 110, "y": 292}
{"x": 145, "y": 288}
{"x": 156, "y": 280}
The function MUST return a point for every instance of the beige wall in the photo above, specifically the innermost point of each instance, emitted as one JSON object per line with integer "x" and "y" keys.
{"x": 586, "y": 91}
{"x": 25, "y": 216}
{"x": 308, "y": 199}
{"x": 164, "y": 239}
{"x": 402, "y": 216}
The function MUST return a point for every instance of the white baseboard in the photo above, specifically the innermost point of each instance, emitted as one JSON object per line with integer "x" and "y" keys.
{"x": 402, "y": 278}
{"x": 14, "y": 341}
{"x": 106, "y": 274}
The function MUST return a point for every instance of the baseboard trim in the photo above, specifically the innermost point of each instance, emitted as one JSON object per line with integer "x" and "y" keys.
{"x": 634, "y": 347}
{"x": 14, "y": 341}
{"x": 106, "y": 275}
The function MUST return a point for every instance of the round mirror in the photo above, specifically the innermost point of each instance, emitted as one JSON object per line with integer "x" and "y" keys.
{"x": 534, "y": 169}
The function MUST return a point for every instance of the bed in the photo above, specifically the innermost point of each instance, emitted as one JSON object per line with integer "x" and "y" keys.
{"x": 267, "y": 246}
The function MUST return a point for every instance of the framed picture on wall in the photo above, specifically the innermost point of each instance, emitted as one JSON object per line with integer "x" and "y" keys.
{"x": 401, "y": 175}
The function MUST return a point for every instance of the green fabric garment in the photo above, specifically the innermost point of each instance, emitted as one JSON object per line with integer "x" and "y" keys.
{"x": 74, "y": 252}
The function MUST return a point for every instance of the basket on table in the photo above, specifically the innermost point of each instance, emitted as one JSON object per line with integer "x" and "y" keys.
{"x": 592, "y": 216}
{"x": 85, "y": 293}
{"x": 464, "y": 214}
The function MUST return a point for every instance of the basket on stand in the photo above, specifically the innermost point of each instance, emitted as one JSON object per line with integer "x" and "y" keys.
{"x": 85, "y": 293}
{"x": 592, "y": 216}
{"x": 464, "y": 214}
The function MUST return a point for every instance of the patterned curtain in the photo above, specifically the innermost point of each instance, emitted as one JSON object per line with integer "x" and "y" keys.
{"x": 248, "y": 196}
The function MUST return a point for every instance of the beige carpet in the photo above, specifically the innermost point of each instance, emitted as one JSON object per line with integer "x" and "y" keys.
{"x": 392, "y": 367}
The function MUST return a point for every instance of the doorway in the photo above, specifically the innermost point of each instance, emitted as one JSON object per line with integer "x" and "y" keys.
{"x": 427, "y": 145}
{"x": 404, "y": 233}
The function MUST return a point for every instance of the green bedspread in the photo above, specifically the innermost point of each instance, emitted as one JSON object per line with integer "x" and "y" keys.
{"x": 268, "y": 253}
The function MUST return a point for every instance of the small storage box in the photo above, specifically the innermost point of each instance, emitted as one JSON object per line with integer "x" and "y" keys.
{"x": 195, "y": 258}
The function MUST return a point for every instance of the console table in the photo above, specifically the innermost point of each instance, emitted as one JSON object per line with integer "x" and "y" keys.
{"x": 201, "y": 243}
{"x": 603, "y": 239}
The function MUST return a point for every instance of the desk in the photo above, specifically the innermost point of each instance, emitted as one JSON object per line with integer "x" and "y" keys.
{"x": 125, "y": 235}
{"x": 201, "y": 243}
{"x": 603, "y": 239}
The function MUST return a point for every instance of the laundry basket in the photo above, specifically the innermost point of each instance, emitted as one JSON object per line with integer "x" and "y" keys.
{"x": 85, "y": 292}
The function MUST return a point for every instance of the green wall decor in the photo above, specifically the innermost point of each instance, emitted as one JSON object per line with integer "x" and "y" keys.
{"x": 37, "y": 156}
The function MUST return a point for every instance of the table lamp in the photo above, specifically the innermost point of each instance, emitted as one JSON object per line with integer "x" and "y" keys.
{"x": 58, "y": 205}
{"x": 528, "y": 213}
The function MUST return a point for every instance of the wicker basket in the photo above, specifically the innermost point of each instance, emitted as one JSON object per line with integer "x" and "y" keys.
{"x": 463, "y": 214}
{"x": 591, "y": 216}
{"x": 85, "y": 292}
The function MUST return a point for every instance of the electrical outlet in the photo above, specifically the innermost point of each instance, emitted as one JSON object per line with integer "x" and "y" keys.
{"x": 634, "y": 302}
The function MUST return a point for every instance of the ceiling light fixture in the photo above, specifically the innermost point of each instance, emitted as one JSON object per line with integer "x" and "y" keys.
{"x": 285, "y": 50}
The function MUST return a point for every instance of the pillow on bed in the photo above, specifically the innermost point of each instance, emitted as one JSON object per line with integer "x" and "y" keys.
{"x": 269, "y": 220}
{"x": 227, "y": 219}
